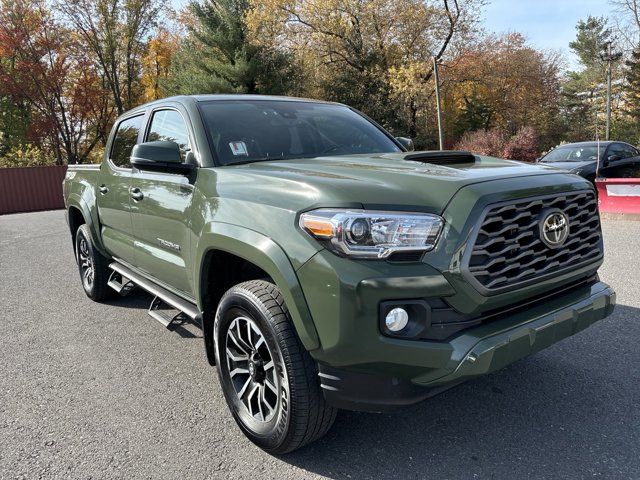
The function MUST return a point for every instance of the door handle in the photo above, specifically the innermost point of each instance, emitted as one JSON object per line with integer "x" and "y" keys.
{"x": 103, "y": 189}
{"x": 137, "y": 194}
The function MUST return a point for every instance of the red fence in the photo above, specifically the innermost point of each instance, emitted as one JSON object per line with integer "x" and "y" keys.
{"x": 619, "y": 195}
{"x": 31, "y": 189}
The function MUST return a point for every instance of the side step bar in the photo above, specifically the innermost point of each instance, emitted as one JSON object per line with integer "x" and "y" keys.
{"x": 161, "y": 295}
{"x": 120, "y": 283}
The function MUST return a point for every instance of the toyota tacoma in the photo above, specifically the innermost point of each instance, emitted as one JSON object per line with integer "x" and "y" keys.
{"x": 328, "y": 264}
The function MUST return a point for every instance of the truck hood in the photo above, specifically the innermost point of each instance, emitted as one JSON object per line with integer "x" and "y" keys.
{"x": 369, "y": 181}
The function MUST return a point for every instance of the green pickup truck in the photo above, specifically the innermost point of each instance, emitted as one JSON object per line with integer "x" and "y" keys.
{"x": 329, "y": 265}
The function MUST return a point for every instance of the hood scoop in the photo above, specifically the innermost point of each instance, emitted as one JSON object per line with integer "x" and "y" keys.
{"x": 446, "y": 157}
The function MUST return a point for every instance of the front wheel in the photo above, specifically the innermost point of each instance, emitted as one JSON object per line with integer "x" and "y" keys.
{"x": 268, "y": 378}
{"x": 93, "y": 266}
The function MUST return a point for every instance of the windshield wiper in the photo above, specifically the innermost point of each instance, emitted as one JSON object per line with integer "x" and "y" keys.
{"x": 262, "y": 159}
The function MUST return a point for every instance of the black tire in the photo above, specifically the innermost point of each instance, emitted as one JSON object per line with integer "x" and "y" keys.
{"x": 92, "y": 265}
{"x": 297, "y": 413}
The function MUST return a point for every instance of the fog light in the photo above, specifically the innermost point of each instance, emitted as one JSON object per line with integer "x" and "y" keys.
{"x": 396, "y": 319}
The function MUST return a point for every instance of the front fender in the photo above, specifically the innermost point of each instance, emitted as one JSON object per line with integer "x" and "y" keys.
{"x": 266, "y": 254}
{"x": 90, "y": 214}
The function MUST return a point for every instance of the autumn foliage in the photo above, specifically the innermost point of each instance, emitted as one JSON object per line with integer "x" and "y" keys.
{"x": 68, "y": 68}
{"x": 522, "y": 146}
{"x": 44, "y": 64}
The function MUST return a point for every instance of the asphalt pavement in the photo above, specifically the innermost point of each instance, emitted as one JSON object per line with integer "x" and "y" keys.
{"x": 93, "y": 390}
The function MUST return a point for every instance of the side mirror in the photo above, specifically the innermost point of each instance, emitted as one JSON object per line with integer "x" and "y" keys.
{"x": 407, "y": 143}
{"x": 161, "y": 156}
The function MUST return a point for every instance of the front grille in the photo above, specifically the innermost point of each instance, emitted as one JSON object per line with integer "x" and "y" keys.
{"x": 509, "y": 252}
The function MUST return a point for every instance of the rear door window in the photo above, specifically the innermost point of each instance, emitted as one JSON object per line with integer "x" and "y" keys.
{"x": 125, "y": 139}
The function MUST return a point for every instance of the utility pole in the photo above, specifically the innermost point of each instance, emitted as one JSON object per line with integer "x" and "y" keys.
{"x": 436, "y": 78}
{"x": 609, "y": 57}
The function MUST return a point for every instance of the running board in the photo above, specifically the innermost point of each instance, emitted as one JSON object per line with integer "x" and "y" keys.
{"x": 161, "y": 296}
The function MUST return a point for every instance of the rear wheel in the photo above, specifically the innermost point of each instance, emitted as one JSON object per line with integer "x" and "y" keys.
{"x": 93, "y": 266}
{"x": 268, "y": 378}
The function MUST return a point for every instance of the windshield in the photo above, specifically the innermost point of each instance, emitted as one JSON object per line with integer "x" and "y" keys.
{"x": 244, "y": 131}
{"x": 573, "y": 154}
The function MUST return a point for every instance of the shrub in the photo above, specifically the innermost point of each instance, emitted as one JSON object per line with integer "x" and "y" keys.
{"x": 483, "y": 142}
{"x": 26, "y": 156}
{"x": 522, "y": 146}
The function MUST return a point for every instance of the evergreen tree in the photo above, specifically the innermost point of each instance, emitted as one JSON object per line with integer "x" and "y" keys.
{"x": 217, "y": 56}
{"x": 583, "y": 90}
{"x": 592, "y": 36}
{"x": 632, "y": 100}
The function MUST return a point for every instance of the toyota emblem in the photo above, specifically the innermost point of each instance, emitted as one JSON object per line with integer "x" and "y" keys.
{"x": 554, "y": 229}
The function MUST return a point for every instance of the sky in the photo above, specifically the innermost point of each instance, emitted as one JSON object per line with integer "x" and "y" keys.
{"x": 547, "y": 24}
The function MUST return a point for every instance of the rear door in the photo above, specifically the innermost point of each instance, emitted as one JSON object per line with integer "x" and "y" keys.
{"x": 161, "y": 214}
{"x": 114, "y": 183}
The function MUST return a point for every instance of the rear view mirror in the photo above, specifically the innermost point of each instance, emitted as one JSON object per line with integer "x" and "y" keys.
{"x": 161, "y": 156}
{"x": 407, "y": 143}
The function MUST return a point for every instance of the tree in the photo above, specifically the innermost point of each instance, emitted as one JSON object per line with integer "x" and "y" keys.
{"x": 156, "y": 63}
{"x": 114, "y": 33}
{"x": 217, "y": 56}
{"x": 583, "y": 93}
{"x": 629, "y": 21}
{"x": 15, "y": 119}
{"x": 51, "y": 71}
{"x": 374, "y": 55}
{"x": 633, "y": 86}
{"x": 502, "y": 82}
{"x": 592, "y": 37}
{"x": 475, "y": 114}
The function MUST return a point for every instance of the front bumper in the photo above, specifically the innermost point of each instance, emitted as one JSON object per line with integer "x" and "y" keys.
{"x": 473, "y": 353}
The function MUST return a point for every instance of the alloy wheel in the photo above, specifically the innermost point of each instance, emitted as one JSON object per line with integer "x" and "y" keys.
{"x": 252, "y": 370}
{"x": 86, "y": 263}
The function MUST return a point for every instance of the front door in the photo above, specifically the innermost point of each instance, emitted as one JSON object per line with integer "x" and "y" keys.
{"x": 160, "y": 210}
{"x": 624, "y": 164}
{"x": 114, "y": 196}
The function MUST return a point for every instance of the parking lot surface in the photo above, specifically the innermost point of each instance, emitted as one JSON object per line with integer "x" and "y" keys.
{"x": 93, "y": 390}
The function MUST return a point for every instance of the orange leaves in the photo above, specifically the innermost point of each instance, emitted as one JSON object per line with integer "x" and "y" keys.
{"x": 43, "y": 64}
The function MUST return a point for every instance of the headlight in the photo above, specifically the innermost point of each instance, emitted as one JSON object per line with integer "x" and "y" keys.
{"x": 372, "y": 234}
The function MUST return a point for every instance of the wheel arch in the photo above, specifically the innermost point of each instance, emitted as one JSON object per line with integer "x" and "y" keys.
{"x": 79, "y": 213}
{"x": 220, "y": 243}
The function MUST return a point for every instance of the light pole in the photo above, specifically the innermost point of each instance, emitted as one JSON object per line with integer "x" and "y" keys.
{"x": 609, "y": 57}
{"x": 436, "y": 78}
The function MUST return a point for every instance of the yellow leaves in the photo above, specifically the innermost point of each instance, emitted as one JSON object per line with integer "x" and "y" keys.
{"x": 156, "y": 63}
{"x": 407, "y": 84}
{"x": 406, "y": 78}
{"x": 27, "y": 155}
